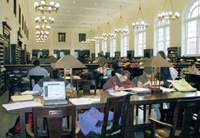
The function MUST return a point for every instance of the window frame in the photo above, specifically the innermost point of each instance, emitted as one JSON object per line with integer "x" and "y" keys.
{"x": 113, "y": 46}
{"x": 123, "y": 51}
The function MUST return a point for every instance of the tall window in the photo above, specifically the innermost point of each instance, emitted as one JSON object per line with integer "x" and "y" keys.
{"x": 113, "y": 46}
{"x": 104, "y": 45}
{"x": 191, "y": 29}
{"x": 162, "y": 35}
{"x": 96, "y": 48}
{"x": 124, "y": 44}
{"x": 140, "y": 41}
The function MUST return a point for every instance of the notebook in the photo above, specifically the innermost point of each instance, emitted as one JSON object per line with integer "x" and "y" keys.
{"x": 54, "y": 93}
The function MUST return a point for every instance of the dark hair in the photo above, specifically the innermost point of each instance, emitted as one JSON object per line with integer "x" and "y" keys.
{"x": 193, "y": 63}
{"x": 54, "y": 74}
{"x": 115, "y": 65}
{"x": 36, "y": 63}
{"x": 162, "y": 53}
{"x": 126, "y": 73}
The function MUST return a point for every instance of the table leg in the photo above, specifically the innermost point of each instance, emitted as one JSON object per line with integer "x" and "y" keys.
{"x": 22, "y": 125}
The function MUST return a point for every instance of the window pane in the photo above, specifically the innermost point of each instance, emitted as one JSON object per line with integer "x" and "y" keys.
{"x": 160, "y": 34}
{"x": 192, "y": 29}
{"x": 195, "y": 13}
{"x": 191, "y": 46}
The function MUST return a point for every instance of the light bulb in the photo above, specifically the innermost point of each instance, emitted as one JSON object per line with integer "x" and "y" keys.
{"x": 36, "y": 4}
{"x": 57, "y": 5}
{"x": 43, "y": 2}
{"x": 51, "y": 3}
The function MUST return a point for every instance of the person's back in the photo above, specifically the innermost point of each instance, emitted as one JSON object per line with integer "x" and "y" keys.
{"x": 37, "y": 70}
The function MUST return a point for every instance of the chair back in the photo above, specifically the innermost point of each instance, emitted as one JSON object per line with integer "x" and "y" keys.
{"x": 54, "y": 117}
{"x": 86, "y": 86}
{"x": 34, "y": 80}
{"x": 120, "y": 107}
{"x": 187, "y": 108}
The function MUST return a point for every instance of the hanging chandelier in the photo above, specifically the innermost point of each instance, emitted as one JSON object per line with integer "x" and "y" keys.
{"x": 140, "y": 19}
{"x": 108, "y": 31}
{"x": 121, "y": 27}
{"x": 45, "y": 7}
{"x": 43, "y": 27}
{"x": 44, "y": 20}
{"x": 168, "y": 15}
{"x": 99, "y": 37}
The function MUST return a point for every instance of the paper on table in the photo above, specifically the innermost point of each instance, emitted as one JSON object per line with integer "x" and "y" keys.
{"x": 19, "y": 105}
{"x": 138, "y": 90}
{"x": 30, "y": 93}
{"x": 21, "y": 98}
{"x": 120, "y": 93}
{"x": 82, "y": 101}
{"x": 167, "y": 90}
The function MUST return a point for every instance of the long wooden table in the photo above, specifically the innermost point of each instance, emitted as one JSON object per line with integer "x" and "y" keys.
{"x": 135, "y": 100}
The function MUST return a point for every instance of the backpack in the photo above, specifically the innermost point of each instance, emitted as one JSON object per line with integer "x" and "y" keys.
{"x": 15, "y": 130}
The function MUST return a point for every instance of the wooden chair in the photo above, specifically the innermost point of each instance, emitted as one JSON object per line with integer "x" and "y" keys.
{"x": 181, "y": 126}
{"x": 119, "y": 105}
{"x": 54, "y": 116}
{"x": 34, "y": 80}
{"x": 86, "y": 86}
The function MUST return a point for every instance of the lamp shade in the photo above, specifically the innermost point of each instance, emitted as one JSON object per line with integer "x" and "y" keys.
{"x": 69, "y": 61}
{"x": 156, "y": 61}
{"x": 51, "y": 60}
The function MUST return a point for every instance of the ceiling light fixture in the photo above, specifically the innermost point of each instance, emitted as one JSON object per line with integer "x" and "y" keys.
{"x": 168, "y": 15}
{"x": 121, "y": 27}
{"x": 140, "y": 19}
{"x": 108, "y": 31}
{"x": 45, "y": 7}
{"x": 44, "y": 20}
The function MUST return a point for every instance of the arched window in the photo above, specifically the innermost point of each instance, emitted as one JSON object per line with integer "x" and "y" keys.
{"x": 162, "y": 35}
{"x": 140, "y": 41}
{"x": 96, "y": 48}
{"x": 191, "y": 29}
{"x": 124, "y": 44}
{"x": 104, "y": 45}
{"x": 113, "y": 46}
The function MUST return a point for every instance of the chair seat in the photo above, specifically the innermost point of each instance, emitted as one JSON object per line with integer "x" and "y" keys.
{"x": 163, "y": 133}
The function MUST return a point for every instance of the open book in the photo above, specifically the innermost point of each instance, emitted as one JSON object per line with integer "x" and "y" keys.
{"x": 137, "y": 90}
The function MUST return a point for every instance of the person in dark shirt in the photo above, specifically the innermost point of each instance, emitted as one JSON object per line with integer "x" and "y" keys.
{"x": 116, "y": 69}
{"x": 165, "y": 73}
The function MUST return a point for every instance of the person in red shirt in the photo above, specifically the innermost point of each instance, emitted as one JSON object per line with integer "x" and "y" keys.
{"x": 119, "y": 81}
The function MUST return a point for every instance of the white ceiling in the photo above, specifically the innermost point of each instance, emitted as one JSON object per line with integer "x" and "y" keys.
{"x": 84, "y": 13}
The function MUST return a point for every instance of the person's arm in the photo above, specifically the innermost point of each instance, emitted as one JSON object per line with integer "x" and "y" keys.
{"x": 129, "y": 84}
{"x": 109, "y": 84}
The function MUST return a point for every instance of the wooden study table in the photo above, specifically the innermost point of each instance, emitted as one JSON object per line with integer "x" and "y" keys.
{"x": 135, "y": 100}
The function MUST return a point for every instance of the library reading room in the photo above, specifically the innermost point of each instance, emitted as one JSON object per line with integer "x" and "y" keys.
{"x": 100, "y": 68}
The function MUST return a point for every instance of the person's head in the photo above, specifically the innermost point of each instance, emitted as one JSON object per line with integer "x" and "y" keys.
{"x": 124, "y": 76}
{"x": 115, "y": 65}
{"x": 147, "y": 72}
{"x": 162, "y": 54}
{"x": 54, "y": 74}
{"x": 36, "y": 63}
{"x": 104, "y": 65}
{"x": 193, "y": 64}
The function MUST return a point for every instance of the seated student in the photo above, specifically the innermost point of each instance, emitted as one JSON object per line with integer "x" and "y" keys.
{"x": 37, "y": 70}
{"x": 103, "y": 68}
{"x": 119, "y": 81}
{"x": 145, "y": 79}
{"x": 192, "y": 68}
{"x": 116, "y": 69}
{"x": 54, "y": 76}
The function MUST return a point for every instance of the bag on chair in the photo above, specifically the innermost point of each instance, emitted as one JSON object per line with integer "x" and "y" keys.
{"x": 183, "y": 86}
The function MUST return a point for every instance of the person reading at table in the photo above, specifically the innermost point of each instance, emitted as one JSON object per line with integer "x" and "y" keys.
{"x": 37, "y": 70}
{"x": 103, "y": 68}
{"x": 119, "y": 81}
{"x": 145, "y": 79}
{"x": 192, "y": 68}
{"x": 54, "y": 76}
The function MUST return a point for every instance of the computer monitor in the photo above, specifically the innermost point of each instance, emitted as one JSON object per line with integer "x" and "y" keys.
{"x": 54, "y": 90}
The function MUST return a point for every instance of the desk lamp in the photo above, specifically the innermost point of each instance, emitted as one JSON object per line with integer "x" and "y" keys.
{"x": 68, "y": 62}
{"x": 156, "y": 62}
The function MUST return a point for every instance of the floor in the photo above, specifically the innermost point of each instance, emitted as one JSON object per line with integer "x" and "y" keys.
{"x": 8, "y": 120}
